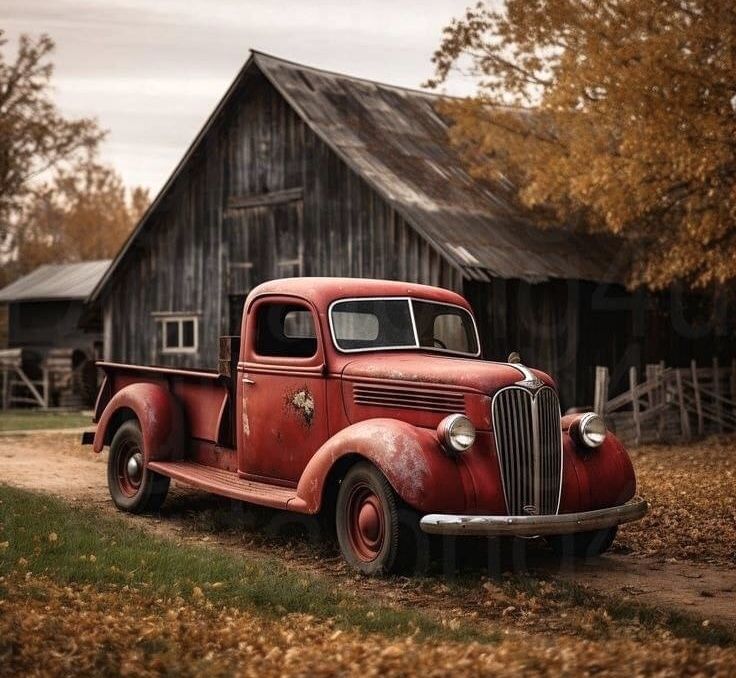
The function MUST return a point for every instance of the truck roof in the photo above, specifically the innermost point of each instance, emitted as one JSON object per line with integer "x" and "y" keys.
{"x": 323, "y": 291}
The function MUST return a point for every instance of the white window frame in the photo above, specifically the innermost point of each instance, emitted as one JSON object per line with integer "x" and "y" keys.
{"x": 407, "y": 347}
{"x": 180, "y": 319}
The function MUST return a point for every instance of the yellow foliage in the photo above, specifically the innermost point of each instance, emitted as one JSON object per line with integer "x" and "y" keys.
{"x": 616, "y": 116}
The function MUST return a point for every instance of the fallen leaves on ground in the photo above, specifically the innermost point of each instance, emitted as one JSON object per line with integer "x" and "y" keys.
{"x": 47, "y": 629}
{"x": 692, "y": 495}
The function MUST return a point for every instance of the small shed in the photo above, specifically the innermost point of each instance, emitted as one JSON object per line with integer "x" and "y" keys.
{"x": 45, "y": 340}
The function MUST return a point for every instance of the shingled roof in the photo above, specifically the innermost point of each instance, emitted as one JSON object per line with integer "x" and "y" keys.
{"x": 397, "y": 141}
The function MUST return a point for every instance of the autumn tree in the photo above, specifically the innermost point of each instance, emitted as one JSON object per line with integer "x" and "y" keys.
{"x": 34, "y": 135}
{"x": 613, "y": 115}
{"x": 58, "y": 202}
{"x": 84, "y": 212}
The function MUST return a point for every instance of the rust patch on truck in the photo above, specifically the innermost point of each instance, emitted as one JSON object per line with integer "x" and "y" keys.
{"x": 302, "y": 402}
{"x": 246, "y": 423}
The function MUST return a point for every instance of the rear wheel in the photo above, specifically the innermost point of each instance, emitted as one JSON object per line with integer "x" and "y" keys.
{"x": 133, "y": 487}
{"x": 583, "y": 544}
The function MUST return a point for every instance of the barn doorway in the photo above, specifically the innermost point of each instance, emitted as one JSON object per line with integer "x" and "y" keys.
{"x": 266, "y": 240}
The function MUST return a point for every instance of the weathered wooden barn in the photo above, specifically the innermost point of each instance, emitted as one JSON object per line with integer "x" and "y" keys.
{"x": 301, "y": 172}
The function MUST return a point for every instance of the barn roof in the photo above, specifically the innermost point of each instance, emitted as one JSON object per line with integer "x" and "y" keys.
{"x": 397, "y": 141}
{"x": 56, "y": 281}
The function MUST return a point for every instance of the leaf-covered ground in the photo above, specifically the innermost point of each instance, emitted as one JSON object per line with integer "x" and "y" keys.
{"x": 82, "y": 593}
{"x": 692, "y": 493}
{"x": 50, "y": 630}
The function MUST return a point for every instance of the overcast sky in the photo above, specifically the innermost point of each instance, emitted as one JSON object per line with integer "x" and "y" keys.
{"x": 152, "y": 70}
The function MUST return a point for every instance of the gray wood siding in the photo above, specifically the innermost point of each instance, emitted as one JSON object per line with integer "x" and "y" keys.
{"x": 203, "y": 252}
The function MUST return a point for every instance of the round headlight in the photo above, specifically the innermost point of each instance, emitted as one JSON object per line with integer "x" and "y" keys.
{"x": 456, "y": 433}
{"x": 592, "y": 430}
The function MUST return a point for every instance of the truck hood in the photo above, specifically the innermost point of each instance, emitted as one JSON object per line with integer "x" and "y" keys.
{"x": 433, "y": 369}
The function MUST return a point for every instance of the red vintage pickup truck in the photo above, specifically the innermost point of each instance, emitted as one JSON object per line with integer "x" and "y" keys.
{"x": 368, "y": 401}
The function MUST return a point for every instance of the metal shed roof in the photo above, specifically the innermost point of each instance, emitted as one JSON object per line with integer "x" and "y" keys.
{"x": 397, "y": 141}
{"x": 56, "y": 281}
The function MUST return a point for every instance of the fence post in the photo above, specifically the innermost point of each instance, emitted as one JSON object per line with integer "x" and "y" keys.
{"x": 684, "y": 420}
{"x": 698, "y": 405}
{"x": 600, "y": 395}
{"x": 5, "y": 388}
{"x": 46, "y": 388}
{"x": 635, "y": 404}
{"x": 717, "y": 392}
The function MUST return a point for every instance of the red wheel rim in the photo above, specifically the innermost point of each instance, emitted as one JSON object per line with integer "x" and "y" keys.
{"x": 365, "y": 522}
{"x": 129, "y": 468}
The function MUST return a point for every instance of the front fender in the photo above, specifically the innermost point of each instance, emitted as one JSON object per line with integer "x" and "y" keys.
{"x": 159, "y": 415}
{"x": 411, "y": 459}
{"x": 594, "y": 478}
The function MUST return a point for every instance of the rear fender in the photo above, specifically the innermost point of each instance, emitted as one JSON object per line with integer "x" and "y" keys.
{"x": 411, "y": 459}
{"x": 159, "y": 415}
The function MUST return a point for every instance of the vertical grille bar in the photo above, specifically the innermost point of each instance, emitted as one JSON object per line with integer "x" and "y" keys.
{"x": 529, "y": 446}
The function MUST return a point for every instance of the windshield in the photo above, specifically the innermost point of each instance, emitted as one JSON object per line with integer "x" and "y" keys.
{"x": 392, "y": 323}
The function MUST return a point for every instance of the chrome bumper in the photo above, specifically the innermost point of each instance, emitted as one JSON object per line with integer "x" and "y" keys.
{"x": 534, "y": 526}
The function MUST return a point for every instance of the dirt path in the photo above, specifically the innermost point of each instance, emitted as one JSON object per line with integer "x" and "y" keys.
{"x": 57, "y": 464}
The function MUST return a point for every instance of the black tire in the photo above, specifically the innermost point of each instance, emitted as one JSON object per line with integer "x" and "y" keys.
{"x": 583, "y": 544}
{"x": 367, "y": 520}
{"x": 140, "y": 492}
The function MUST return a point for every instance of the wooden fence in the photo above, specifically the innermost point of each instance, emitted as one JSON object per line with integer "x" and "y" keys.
{"x": 16, "y": 386}
{"x": 671, "y": 403}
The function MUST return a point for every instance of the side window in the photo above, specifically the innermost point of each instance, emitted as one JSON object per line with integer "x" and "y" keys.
{"x": 285, "y": 330}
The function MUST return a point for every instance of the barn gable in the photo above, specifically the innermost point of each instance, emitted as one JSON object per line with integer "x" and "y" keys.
{"x": 396, "y": 141}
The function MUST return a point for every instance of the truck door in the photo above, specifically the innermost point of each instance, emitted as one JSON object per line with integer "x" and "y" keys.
{"x": 282, "y": 419}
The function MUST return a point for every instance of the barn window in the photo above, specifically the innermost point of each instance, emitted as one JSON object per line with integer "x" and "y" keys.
{"x": 179, "y": 333}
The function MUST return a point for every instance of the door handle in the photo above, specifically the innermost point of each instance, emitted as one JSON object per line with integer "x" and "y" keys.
{"x": 248, "y": 381}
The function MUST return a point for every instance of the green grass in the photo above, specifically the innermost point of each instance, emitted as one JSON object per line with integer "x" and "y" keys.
{"x": 33, "y": 420}
{"x": 57, "y": 540}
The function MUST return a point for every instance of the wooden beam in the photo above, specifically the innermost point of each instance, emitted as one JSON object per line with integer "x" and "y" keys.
{"x": 717, "y": 391}
{"x": 684, "y": 420}
{"x": 263, "y": 199}
{"x": 696, "y": 390}
{"x": 635, "y": 403}
{"x": 601, "y": 390}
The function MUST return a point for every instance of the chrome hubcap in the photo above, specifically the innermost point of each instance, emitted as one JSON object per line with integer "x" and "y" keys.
{"x": 135, "y": 467}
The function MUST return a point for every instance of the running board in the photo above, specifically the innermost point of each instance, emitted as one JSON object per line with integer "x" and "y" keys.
{"x": 227, "y": 484}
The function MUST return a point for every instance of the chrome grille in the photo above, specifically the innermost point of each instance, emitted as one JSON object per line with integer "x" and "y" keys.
{"x": 529, "y": 446}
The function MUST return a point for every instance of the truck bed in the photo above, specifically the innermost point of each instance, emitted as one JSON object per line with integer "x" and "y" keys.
{"x": 205, "y": 396}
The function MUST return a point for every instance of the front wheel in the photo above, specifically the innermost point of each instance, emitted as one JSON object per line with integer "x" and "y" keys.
{"x": 133, "y": 487}
{"x": 377, "y": 533}
{"x": 583, "y": 544}
{"x": 367, "y": 520}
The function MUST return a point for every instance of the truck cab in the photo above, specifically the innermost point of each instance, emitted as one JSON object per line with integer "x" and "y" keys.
{"x": 369, "y": 401}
